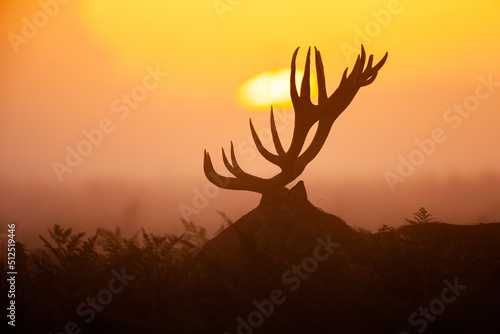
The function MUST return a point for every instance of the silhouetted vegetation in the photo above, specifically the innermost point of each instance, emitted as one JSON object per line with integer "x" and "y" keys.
{"x": 176, "y": 285}
{"x": 52, "y": 282}
{"x": 422, "y": 217}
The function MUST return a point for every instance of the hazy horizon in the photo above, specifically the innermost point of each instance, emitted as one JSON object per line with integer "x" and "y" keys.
{"x": 132, "y": 206}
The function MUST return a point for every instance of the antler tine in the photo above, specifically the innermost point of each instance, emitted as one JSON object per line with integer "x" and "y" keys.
{"x": 305, "y": 86}
{"x": 306, "y": 113}
{"x": 371, "y": 73}
{"x": 213, "y": 176}
{"x": 228, "y": 165}
{"x": 239, "y": 171}
{"x": 320, "y": 76}
{"x": 251, "y": 183}
{"x": 370, "y": 62}
{"x": 364, "y": 76}
{"x": 344, "y": 75}
{"x": 235, "y": 169}
{"x": 276, "y": 138}
{"x": 207, "y": 162}
{"x": 362, "y": 61}
{"x": 275, "y": 159}
{"x": 359, "y": 66}
{"x": 351, "y": 77}
{"x": 381, "y": 62}
{"x": 294, "y": 95}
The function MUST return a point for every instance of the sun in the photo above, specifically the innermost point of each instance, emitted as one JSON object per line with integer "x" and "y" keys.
{"x": 272, "y": 88}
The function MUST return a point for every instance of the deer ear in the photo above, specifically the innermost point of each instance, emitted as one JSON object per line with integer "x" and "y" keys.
{"x": 297, "y": 196}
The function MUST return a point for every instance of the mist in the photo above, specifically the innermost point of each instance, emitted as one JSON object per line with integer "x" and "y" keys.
{"x": 159, "y": 208}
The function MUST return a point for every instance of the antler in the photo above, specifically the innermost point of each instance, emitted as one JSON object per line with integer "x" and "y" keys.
{"x": 291, "y": 162}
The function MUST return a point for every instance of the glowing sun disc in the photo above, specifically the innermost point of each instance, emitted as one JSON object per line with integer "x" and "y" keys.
{"x": 272, "y": 88}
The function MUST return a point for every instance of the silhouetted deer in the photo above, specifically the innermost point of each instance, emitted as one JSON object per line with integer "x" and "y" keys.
{"x": 292, "y": 162}
{"x": 253, "y": 253}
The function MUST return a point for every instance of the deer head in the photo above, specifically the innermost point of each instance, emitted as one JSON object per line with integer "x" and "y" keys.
{"x": 292, "y": 162}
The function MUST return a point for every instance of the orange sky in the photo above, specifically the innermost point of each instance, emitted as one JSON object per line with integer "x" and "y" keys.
{"x": 68, "y": 67}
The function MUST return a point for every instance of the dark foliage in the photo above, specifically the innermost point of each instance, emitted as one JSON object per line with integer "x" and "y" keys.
{"x": 422, "y": 217}
{"x": 54, "y": 281}
{"x": 184, "y": 284}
